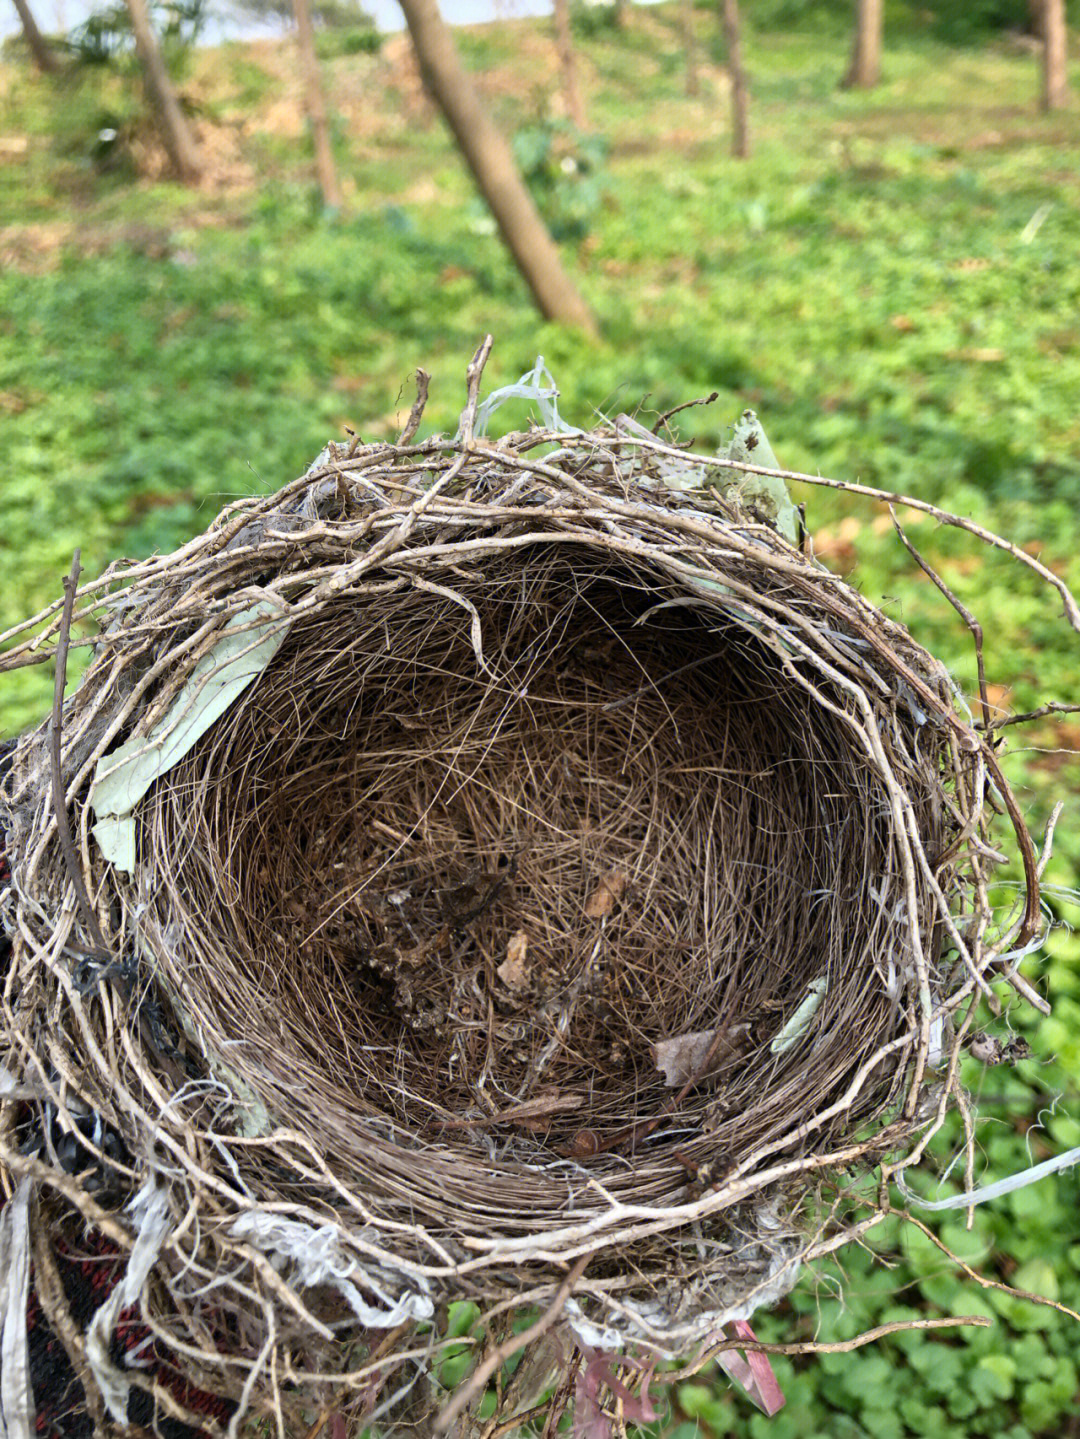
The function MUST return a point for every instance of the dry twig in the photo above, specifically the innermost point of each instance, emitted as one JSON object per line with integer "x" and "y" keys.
{"x": 59, "y": 796}
{"x": 961, "y": 609}
{"x": 416, "y": 414}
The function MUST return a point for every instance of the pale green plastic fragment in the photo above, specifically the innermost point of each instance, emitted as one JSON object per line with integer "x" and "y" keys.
{"x": 254, "y": 1118}
{"x": 248, "y": 643}
{"x": 799, "y": 1022}
{"x": 115, "y": 836}
{"x": 763, "y": 494}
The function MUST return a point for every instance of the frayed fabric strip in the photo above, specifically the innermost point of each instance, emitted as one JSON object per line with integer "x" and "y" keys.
{"x": 996, "y": 1190}
{"x": 318, "y": 1259}
{"x": 150, "y": 1208}
{"x": 17, "y": 1419}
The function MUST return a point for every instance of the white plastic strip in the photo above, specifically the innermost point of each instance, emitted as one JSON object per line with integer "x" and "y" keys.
{"x": 538, "y": 386}
{"x": 996, "y": 1190}
{"x": 17, "y": 1419}
{"x": 150, "y": 1209}
{"x": 609, "y": 1341}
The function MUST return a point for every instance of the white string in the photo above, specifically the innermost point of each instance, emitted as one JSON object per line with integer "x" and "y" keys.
{"x": 150, "y": 1209}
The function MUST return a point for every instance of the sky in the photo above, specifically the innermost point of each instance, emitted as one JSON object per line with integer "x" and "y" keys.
{"x": 58, "y": 16}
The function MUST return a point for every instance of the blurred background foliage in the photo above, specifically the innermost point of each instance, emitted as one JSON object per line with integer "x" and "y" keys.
{"x": 891, "y": 282}
{"x": 106, "y": 34}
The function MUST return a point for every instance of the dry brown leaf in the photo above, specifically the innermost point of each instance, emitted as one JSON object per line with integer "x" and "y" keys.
{"x": 513, "y": 971}
{"x": 682, "y": 1059}
{"x": 602, "y": 900}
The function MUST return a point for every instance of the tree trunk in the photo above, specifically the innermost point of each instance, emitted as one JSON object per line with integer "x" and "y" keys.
{"x": 693, "y": 81}
{"x": 315, "y": 103}
{"x": 44, "y": 58}
{"x": 564, "y": 44}
{"x": 489, "y": 158}
{"x": 621, "y": 10}
{"x": 864, "y": 72}
{"x": 175, "y": 134}
{"x": 1055, "y": 74}
{"x": 740, "y": 91}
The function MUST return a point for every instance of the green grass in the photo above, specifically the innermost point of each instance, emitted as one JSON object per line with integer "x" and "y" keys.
{"x": 891, "y": 282}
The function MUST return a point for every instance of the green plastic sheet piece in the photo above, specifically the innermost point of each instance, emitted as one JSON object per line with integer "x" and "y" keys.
{"x": 799, "y": 1022}
{"x": 248, "y": 643}
{"x": 764, "y": 495}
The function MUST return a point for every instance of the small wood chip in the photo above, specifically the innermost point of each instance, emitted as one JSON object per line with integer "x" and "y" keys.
{"x": 603, "y": 898}
{"x": 513, "y": 971}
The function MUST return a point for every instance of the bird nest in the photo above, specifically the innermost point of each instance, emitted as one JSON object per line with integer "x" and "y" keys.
{"x": 484, "y": 871}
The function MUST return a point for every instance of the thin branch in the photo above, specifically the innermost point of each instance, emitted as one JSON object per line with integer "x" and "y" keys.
{"x": 412, "y": 424}
{"x": 1055, "y": 707}
{"x": 472, "y": 379}
{"x": 961, "y": 609}
{"x": 518, "y": 1420}
{"x": 59, "y": 796}
{"x": 319, "y": 1425}
{"x": 49, "y": 1289}
{"x": 1010, "y": 973}
{"x": 1072, "y": 609}
{"x": 686, "y": 405}
{"x": 981, "y": 1278}
{"x": 562, "y": 1396}
{"x": 840, "y": 1346}
{"x": 497, "y": 1357}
